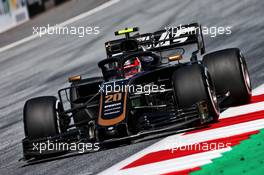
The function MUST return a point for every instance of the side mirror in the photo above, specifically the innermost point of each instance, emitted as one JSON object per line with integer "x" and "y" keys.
{"x": 175, "y": 57}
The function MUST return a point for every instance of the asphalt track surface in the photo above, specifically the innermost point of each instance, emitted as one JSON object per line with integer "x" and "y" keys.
{"x": 53, "y": 16}
{"x": 41, "y": 67}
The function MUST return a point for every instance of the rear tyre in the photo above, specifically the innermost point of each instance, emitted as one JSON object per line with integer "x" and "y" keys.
{"x": 41, "y": 117}
{"x": 193, "y": 84}
{"x": 230, "y": 74}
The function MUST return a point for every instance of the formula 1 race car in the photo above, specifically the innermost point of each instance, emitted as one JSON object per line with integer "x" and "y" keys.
{"x": 146, "y": 90}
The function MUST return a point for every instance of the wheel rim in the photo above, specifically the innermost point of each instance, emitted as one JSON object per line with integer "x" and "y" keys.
{"x": 212, "y": 94}
{"x": 57, "y": 116}
{"x": 245, "y": 75}
{"x": 213, "y": 98}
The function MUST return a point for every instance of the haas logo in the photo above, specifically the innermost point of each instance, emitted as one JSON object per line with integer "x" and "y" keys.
{"x": 170, "y": 33}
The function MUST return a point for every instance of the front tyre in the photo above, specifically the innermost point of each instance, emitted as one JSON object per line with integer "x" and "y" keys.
{"x": 230, "y": 74}
{"x": 41, "y": 117}
{"x": 193, "y": 84}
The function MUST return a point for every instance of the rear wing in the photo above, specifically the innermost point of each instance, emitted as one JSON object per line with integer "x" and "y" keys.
{"x": 161, "y": 40}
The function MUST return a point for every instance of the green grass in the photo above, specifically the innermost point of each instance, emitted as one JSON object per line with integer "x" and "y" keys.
{"x": 245, "y": 158}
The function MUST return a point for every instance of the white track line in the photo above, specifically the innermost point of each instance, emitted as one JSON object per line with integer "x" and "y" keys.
{"x": 67, "y": 22}
{"x": 259, "y": 90}
{"x": 240, "y": 110}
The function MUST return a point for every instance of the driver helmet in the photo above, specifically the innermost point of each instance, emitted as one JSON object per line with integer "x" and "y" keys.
{"x": 132, "y": 67}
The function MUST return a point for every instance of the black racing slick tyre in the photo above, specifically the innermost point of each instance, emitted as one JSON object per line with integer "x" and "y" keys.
{"x": 229, "y": 73}
{"x": 192, "y": 84}
{"x": 41, "y": 117}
